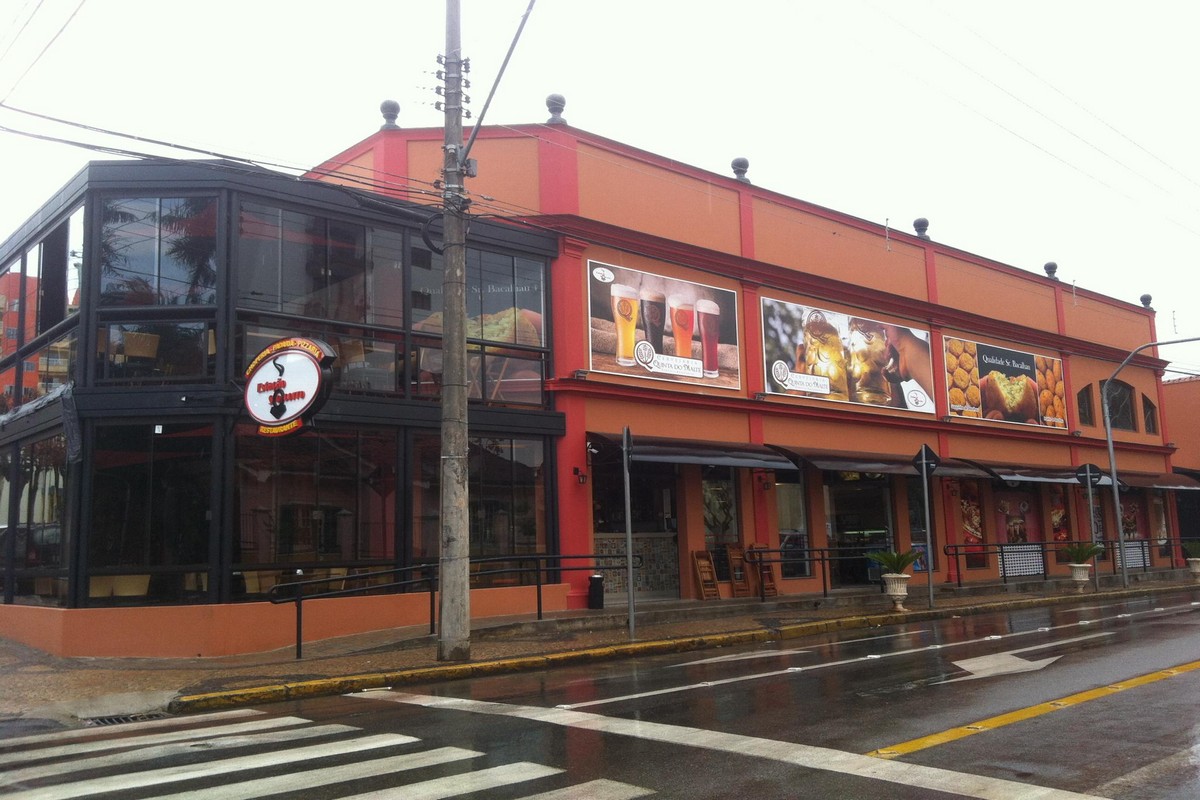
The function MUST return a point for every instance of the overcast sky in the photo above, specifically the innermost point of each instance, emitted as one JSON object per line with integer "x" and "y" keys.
{"x": 1024, "y": 131}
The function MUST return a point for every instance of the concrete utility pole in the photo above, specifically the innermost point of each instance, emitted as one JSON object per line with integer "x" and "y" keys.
{"x": 454, "y": 628}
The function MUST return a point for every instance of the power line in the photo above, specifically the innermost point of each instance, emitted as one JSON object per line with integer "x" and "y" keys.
{"x": 44, "y": 49}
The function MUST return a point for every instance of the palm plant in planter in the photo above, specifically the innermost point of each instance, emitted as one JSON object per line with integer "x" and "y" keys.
{"x": 1078, "y": 554}
{"x": 895, "y": 580}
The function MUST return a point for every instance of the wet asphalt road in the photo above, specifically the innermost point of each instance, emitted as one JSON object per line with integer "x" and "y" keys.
{"x": 1097, "y": 700}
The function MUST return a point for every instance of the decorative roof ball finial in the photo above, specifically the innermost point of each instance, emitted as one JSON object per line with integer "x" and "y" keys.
{"x": 1145, "y": 300}
{"x": 740, "y": 165}
{"x": 920, "y": 225}
{"x": 390, "y": 110}
{"x": 556, "y": 103}
{"x": 1051, "y": 270}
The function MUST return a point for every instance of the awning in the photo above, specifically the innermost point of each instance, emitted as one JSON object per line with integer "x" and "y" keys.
{"x": 694, "y": 451}
{"x": 1038, "y": 475}
{"x": 1170, "y": 480}
{"x": 835, "y": 461}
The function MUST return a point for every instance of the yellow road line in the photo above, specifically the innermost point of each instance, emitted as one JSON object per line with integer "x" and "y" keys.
{"x": 1020, "y": 715}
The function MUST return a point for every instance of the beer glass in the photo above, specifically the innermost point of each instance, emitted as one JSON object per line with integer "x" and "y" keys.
{"x": 654, "y": 317}
{"x": 708, "y": 319}
{"x": 625, "y": 317}
{"x": 683, "y": 319}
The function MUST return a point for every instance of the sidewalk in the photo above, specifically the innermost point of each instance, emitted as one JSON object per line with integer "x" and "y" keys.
{"x": 42, "y": 692}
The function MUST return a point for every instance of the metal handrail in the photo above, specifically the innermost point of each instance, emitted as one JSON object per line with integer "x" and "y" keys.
{"x": 1111, "y": 552}
{"x": 297, "y": 591}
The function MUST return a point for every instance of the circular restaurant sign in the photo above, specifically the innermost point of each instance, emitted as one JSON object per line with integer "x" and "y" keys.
{"x": 287, "y": 383}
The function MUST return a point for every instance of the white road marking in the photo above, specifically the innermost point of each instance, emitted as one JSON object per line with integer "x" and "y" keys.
{"x": 741, "y": 657}
{"x": 261, "y": 787}
{"x": 1182, "y": 762}
{"x": 126, "y": 742}
{"x": 1007, "y": 663}
{"x": 18, "y": 776}
{"x": 152, "y": 724}
{"x": 594, "y": 790}
{"x": 455, "y": 785}
{"x": 183, "y": 772}
{"x": 808, "y": 756}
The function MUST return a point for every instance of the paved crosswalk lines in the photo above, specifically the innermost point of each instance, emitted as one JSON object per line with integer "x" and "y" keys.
{"x": 261, "y": 787}
{"x": 156, "y": 724}
{"x": 182, "y": 772}
{"x": 127, "y": 742}
{"x": 134, "y": 757}
{"x": 455, "y": 785}
{"x": 594, "y": 790}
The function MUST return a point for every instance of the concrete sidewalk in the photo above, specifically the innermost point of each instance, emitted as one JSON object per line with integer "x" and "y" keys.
{"x": 42, "y": 692}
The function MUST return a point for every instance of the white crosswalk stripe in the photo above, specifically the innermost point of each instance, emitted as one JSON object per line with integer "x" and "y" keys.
{"x": 456, "y": 785}
{"x": 125, "y": 742}
{"x": 41, "y": 772}
{"x": 208, "y": 769}
{"x": 148, "y": 725}
{"x": 80, "y": 763}
{"x": 261, "y": 787}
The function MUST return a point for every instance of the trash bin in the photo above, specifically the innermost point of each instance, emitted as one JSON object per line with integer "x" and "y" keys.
{"x": 596, "y": 591}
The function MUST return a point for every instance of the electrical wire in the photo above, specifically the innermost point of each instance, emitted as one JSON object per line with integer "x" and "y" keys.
{"x": 44, "y": 49}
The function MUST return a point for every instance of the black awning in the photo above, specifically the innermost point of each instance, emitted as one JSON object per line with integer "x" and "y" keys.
{"x": 1169, "y": 480}
{"x": 694, "y": 451}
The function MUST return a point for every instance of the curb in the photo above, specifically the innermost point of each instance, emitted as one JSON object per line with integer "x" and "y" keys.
{"x": 324, "y": 687}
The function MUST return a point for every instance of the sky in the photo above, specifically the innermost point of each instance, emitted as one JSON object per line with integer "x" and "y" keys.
{"x": 1026, "y": 132}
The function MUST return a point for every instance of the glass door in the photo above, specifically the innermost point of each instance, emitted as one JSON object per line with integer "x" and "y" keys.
{"x": 860, "y": 520}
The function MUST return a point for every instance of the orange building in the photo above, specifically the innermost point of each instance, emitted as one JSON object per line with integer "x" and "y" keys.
{"x": 778, "y": 365}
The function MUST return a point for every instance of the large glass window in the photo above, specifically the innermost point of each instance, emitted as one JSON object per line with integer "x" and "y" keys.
{"x": 1149, "y": 415}
{"x": 793, "y": 528}
{"x": 507, "y": 500}
{"x": 323, "y": 503}
{"x": 150, "y": 510}
{"x": 301, "y": 264}
{"x": 156, "y": 352}
{"x": 158, "y": 251}
{"x": 37, "y": 545}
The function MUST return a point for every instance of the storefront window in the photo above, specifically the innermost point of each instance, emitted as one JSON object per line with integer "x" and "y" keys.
{"x": 74, "y": 281}
{"x": 971, "y": 516}
{"x": 721, "y": 526}
{"x": 37, "y": 569}
{"x": 385, "y": 279}
{"x": 156, "y": 351}
{"x": 322, "y": 502}
{"x": 916, "y": 525}
{"x": 158, "y": 251}
{"x": 793, "y": 528}
{"x": 507, "y": 501}
{"x": 150, "y": 510}
{"x": 55, "y": 365}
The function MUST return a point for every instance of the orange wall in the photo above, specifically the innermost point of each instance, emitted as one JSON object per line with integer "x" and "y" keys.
{"x": 1182, "y": 399}
{"x": 642, "y": 197}
{"x": 811, "y": 244}
{"x": 1106, "y": 323}
{"x": 666, "y": 419}
{"x": 995, "y": 294}
{"x": 220, "y": 630}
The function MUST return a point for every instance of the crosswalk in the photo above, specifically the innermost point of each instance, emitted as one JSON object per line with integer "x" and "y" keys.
{"x": 247, "y": 754}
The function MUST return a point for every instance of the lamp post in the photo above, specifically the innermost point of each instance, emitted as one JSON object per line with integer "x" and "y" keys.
{"x": 1112, "y": 457}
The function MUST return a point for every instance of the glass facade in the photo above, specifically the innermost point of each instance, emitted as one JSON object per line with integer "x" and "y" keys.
{"x": 139, "y": 311}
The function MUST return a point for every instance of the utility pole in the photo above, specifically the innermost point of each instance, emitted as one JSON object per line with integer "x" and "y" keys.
{"x": 454, "y": 628}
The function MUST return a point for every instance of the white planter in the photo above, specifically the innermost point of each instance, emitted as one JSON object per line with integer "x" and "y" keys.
{"x": 1080, "y": 574}
{"x": 1194, "y": 566}
{"x": 895, "y": 586}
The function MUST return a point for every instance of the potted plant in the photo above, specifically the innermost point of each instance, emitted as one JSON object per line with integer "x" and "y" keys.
{"x": 895, "y": 580}
{"x": 1191, "y": 551}
{"x": 1078, "y": 554}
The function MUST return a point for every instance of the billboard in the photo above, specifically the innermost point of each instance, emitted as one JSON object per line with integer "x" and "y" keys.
{"x": 828, "y": 355}
{"x": 984, "y": 381}
{"x": 652, "y": 326}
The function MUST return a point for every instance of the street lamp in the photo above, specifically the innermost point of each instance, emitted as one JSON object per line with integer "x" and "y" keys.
{"x": 1112, "y": 457}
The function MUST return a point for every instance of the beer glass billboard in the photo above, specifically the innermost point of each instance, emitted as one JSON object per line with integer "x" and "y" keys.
{"x": 654, "y": 326}
{"x": 829, "y": 355}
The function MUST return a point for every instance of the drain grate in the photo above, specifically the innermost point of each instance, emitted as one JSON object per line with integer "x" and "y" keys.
{"x": 96, "y": 722}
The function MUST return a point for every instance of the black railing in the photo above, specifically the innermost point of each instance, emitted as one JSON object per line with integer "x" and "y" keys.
{"x": 1138, "y": 553}
{"x": 297, "y": 591}
{"x": 811, "y": 560}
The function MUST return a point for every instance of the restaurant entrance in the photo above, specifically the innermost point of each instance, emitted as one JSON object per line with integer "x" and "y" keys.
{"x": 859, "y": 509}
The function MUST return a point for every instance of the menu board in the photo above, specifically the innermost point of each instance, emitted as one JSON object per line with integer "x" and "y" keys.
{"x": 653, "y": 326}
{"x": 995, "y": 383}
{"x": 812, "y": 352}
